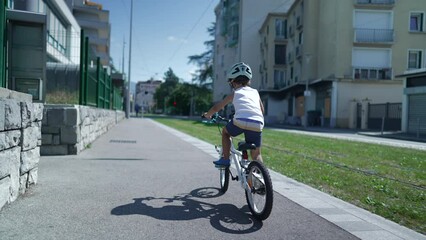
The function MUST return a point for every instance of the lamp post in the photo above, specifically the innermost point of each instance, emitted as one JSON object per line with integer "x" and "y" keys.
{"x": 307, "y": 93}
{"x": 130, "y": 62}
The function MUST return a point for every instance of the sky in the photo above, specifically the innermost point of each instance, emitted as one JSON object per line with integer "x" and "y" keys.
{"x": 165, "y": 33}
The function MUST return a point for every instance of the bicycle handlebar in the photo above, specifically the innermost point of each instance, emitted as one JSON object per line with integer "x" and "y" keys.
{"x": 216, "y": 117}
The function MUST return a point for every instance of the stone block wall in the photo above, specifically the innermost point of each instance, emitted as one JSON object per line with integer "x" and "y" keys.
{"x": 20, "y": 140}
{"x": 69, "y": 129}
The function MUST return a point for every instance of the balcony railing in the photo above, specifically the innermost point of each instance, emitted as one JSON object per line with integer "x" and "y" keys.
{"x": 363, "y": 35}
{"x": 371, "y": 73}
{"x": 280, "y": 84}
{"x": 375, "y": 2}
{"x": 280, "y": 37}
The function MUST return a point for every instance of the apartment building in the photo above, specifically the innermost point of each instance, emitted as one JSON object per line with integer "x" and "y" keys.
{"x": 145, "y": 91}
{"x": 322, "y": 57}
{"x": 63, "y": 31}
{"x": 94, "y": 20}
{"x": 237, "y": 37}
{"x": 40, "y": 33}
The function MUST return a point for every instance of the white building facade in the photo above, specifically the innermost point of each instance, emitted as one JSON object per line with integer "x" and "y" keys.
{"x": 237, "y": 38}
{"x": 63, "y": 31}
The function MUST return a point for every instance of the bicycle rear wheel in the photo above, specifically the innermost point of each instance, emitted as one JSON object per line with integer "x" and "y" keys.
{"x": 260, "y": 195}
{"x": 224, "y": 179}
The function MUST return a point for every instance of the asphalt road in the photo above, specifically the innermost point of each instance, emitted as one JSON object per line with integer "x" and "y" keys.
{"x": 139, "y": 181}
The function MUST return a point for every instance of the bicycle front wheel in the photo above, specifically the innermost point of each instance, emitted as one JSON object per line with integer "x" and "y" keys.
{"x": 260, "y": 194}
{"x": 224, "y": 179}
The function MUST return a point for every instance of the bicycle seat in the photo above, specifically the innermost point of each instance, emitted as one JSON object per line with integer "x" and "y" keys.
{"x": 246, "y": 146}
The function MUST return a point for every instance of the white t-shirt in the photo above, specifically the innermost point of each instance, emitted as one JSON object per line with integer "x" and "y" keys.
{"x": 247, "y": 104}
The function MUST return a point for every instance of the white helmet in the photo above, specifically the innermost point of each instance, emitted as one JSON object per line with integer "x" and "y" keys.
{"x": 240, "y": 69}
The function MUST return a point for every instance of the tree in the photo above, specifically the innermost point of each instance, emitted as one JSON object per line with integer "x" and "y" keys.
{"x": 190, "y": 99}
{"x": 170, "y": 76}
{"x": 204, "y": 61}
{"x": 162, "y": 94}
{"x": 181, "y": 98}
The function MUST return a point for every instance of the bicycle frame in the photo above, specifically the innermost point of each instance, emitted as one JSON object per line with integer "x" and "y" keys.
{"x": 236, "y": 158}
{"x": 253, "y": 176}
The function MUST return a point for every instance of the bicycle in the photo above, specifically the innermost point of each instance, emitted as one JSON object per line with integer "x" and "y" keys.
{"x": 253, "y": 175}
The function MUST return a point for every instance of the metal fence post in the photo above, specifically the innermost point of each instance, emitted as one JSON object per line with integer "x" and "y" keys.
{"x": 98, "y": 82}
{"x": 106, "y": 98}
{"x": 86, "y": 70}
{"x": 109, "y": 92}
{"x": 3, "y": 44}
{"x": 82, "y": 68}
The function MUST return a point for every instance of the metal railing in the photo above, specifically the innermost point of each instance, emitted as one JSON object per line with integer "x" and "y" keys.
{"x": 96, "y": 88}
{"x": 117, "y": 99}
{"x": 376, "y": 2}
{"x": 371, "y": 73}
{"x": 363, "y": 35}
{"x": 2, "y": 44}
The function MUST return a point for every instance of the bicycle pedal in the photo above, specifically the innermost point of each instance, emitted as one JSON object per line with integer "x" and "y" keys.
{"x": 235, "y": 178}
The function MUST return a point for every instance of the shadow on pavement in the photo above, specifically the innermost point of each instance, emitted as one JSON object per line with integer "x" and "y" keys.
{"x": 183, "y": 207}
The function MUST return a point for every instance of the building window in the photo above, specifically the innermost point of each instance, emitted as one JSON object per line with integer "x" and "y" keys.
{"x": 373, "y": 26}
{"x": 280, "y": 54}
{"x": 279, "y": 79}
{"x": 300, "y": 38}
{"x": 416, "y": 22}
{"x": 281, "y": 28}
{"x": 233, "y": 35}
{"x": 415, "y": 59}
{"x": 372, "y": 64}
{"x": 56, "y": 33}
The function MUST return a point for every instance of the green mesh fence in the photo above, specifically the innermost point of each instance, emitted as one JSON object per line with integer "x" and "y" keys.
{"x": 96, "y": 84}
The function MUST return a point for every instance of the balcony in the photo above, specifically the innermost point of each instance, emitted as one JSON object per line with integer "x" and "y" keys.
{"x": 281, "y": 38}
{"x": 363, "y": 35}
{"x": 93, "y": 24}
{"x": 374, "y": 4}
{"x": 280, "y": 85}
{"x": 371, "y": 73}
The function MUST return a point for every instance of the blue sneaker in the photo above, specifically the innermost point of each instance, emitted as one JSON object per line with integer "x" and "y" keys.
{"x": 222, "y": 162}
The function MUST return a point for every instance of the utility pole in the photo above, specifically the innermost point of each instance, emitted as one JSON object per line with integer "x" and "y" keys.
{"x": 130, "y": 62}
{"x": 122, "y": 62}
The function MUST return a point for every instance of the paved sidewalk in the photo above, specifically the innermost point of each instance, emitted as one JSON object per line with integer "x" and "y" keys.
{"x": 353, "y": 219}
{"x": 389, "y": 139}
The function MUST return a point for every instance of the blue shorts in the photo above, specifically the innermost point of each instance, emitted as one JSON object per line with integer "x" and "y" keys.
{"x": 250, "y": 136}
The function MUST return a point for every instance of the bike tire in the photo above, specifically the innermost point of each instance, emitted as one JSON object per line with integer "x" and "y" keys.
{"x": 224, "y": 179}
{"x": 264, "y": 191}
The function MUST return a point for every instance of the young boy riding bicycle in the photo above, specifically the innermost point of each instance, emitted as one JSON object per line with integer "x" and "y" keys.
{"x": 248, "y": 118}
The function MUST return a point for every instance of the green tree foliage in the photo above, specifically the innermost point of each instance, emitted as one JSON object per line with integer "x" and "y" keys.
{"x": 178, "y": 98}
{"x": 204, "y": 61}
{"x": 162, "y": 95}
